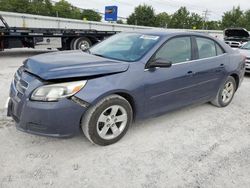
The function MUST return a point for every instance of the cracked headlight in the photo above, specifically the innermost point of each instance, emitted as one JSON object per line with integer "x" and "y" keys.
{"x": 54, "y": 92}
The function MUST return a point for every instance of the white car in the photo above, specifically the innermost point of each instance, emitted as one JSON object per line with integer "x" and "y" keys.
{"x": 245, "y": 50}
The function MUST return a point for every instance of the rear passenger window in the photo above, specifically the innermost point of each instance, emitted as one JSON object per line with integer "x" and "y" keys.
{"x": 219, "y": 50}
{"x": 176, "y": 50}
{"x": 206, "y": 47}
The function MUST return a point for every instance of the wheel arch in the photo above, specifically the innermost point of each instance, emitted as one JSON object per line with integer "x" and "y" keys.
{"x": 236, "y": 78}
{"x": 130, "y": 99}
{"x": 123, "y": 93}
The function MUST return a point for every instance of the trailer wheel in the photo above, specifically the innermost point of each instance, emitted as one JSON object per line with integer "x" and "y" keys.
{"x": 82, "y": 43}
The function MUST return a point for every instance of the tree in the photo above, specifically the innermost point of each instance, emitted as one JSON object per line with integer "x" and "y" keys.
{"x": 143, "y": 15}
{"x": 41, "y": 7}
{"x": 213, "y": 25}
{"x": 63, "y": 9}
{"x": 180, "y": 19}
{"x": 246, "y": 18}
{"x": 91, "y": 15}
{"x": 233, "y": 18}
{"x": 163, "y": 20}
{"x": 119, "y": 21}
{"x": 21, "y": 6}
{"x": 194, "y": 21}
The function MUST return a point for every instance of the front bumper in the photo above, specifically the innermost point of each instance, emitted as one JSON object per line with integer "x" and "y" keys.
{"x": 57, "y": 119}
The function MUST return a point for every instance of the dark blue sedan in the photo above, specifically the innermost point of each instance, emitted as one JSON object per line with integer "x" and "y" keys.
{"x": 129, "y": 76}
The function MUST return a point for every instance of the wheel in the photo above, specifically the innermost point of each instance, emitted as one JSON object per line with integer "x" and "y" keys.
{"x": 82, "y": 43}
{"x": 108, "y": 121}
{"x": 225, "y": 93}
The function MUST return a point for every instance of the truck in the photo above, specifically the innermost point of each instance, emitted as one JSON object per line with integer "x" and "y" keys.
{"x": 43, "y": 32}
{"x": 63, "y": 39}
{"x": 33, "y": 31}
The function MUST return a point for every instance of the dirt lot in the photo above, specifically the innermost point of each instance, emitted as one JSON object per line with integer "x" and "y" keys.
{"x": 198, "y": 146}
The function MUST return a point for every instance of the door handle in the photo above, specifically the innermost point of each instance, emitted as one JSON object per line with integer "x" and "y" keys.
{"x": 190, "y": 73}
{"x": 222, "y": 65}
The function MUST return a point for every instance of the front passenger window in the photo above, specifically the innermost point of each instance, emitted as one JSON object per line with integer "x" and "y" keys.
{"x": 176, "y": 50}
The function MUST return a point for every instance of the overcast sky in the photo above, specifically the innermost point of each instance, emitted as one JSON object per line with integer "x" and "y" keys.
{"x": 125, "y": 7}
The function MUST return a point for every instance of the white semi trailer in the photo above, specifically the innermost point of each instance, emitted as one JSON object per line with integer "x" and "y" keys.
{"x": 33, "y": 31}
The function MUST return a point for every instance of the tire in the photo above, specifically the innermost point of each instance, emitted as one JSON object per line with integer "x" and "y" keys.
{"x": 224, "y": 98}
{"x": 72, "y": 42}
{"x": 82, "y": 43}
{"x": 99, "y": 125}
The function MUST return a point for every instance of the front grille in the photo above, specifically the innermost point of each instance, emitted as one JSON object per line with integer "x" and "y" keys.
{"x": 19, "y": 83}
{"x": 248, "y": 60}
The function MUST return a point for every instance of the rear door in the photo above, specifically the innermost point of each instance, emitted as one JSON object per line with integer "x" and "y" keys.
{"x": 209, "y": 66}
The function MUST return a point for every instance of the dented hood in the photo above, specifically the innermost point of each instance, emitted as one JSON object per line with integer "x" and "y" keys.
{"x": 72, "y": 64}
{"x": 236, "y": 32}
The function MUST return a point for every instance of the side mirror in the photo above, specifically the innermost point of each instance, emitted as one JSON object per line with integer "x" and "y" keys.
{"x": 162, "y": 63}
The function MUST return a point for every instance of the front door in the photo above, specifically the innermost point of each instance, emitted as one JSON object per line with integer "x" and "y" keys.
{"x": 169, "y": 88}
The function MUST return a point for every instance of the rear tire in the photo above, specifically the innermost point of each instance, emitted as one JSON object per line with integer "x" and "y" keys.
{"x": 82, "y": 43}
{"x": 225, "y": 93}
{"x": 108, "y": 121}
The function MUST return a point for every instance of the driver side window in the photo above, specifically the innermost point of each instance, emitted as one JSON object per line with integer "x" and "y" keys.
{"x": 176, "y": 50}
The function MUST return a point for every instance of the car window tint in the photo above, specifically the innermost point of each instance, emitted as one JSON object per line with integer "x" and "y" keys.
{"x": 176, "y": 50}
{"x": 219, "y": 50}
{"x": 206, "y": 47}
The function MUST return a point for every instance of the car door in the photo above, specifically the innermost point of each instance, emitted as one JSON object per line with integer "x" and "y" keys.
{"x": 209, "y": 67}
{"x": 169, "y": 88}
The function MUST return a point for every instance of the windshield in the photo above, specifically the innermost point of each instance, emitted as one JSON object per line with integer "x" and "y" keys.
{"x": 125, "y": 46}
{"x": 246, "y": 46}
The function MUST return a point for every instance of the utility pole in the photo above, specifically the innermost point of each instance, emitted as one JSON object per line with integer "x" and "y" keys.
{"x": 206, "y": 13}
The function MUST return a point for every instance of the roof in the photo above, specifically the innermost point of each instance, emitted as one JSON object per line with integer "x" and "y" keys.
{"x": 167, "y": 32}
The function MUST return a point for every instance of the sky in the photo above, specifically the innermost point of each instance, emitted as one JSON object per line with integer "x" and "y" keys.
{"x": 126, "y": 7}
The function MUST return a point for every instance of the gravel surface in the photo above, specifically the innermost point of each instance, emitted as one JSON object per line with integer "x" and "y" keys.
{"x": 198, "y": 146}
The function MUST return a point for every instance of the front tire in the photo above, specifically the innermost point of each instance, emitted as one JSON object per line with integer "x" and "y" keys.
{"x": 108, "y": 121}
{"x": 225, "y": 93}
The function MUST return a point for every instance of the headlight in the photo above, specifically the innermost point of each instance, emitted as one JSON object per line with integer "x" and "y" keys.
{"x": 54, "y": 92}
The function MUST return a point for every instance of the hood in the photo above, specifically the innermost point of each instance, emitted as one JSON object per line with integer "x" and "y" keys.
{"x": 72, "y": 64}
{"x": 236, "y": 32}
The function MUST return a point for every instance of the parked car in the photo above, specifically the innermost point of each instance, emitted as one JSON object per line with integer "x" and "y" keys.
{"x": 245, "y": 50}
{"x": 236, "y": 37}
{"x": 129, "y": 76}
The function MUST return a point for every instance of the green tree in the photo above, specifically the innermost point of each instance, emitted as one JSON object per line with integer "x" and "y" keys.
{"x": 63, "y": 9}
{"x": 163, "y": 20}
{"x": 91, "y": 15}
{"x": 233, "y": 18}
{"x": 143, "y": 15}
{"x": 246, "y": 20}
{"x": 119, "y": 21}
{"x": 180, "y": 19}
{"x": 20, "y": 6}
{"x": 41, "y": 7}
{"x": 213, "y": 25}
{"x": 194, "y": 21}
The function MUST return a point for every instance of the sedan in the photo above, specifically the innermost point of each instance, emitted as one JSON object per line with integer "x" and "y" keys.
{"x": 129, "y": 76}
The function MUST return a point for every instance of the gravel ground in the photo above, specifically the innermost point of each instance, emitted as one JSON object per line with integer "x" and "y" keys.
{"x": 198, "y": 146}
